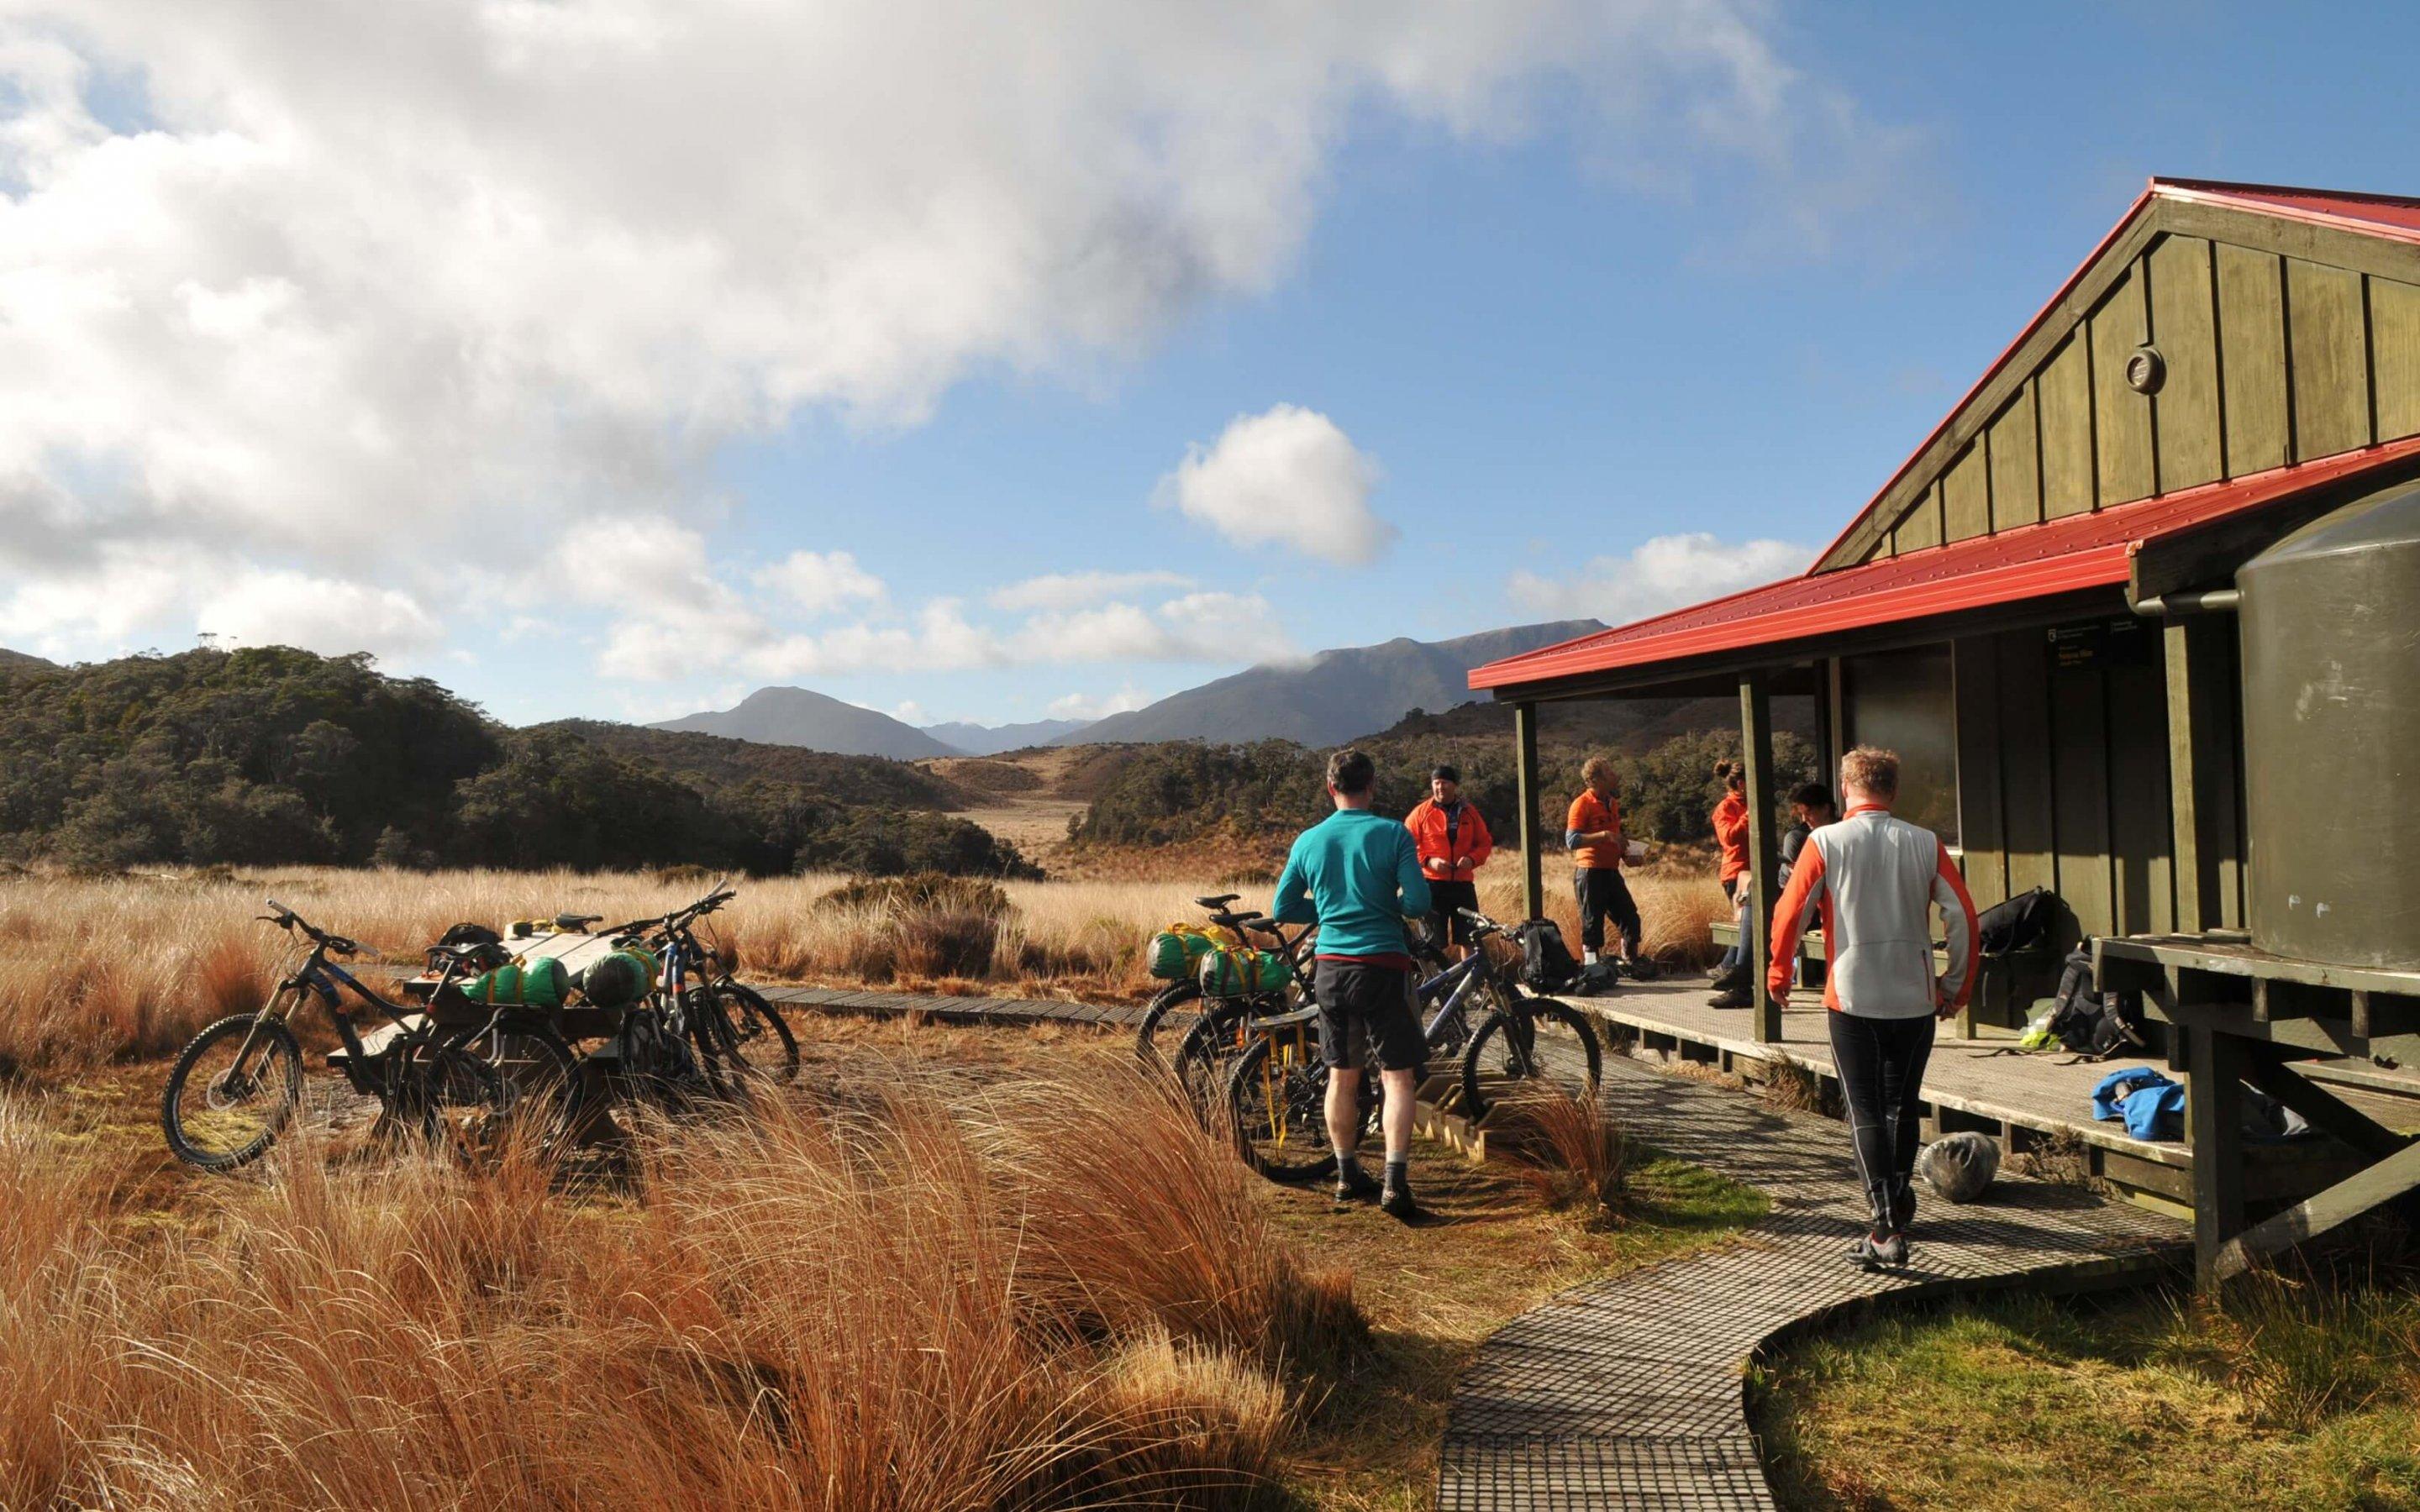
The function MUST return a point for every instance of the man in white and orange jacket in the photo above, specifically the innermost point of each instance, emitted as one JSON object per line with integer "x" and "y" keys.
{"x": 1873, "y": 880}
{"x": 1454, "y": 843}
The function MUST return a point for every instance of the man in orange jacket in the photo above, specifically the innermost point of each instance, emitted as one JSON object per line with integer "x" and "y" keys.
{"x": 1453, "y": 844}
{"x": 1592, "y": 833}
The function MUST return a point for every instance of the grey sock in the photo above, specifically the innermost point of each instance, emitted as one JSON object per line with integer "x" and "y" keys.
{"x": 1346, "y": 1164}
{"x": 1399, "y": 1173}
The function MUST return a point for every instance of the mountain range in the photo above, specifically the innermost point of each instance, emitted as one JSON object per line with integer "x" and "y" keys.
{"x": 800, "y": 717}
{"x": 991, "y": 739}
{"x": 1332, "y": 697}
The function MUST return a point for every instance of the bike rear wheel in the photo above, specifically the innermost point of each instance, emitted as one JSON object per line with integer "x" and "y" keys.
{"x": 1206, "y": 1055}
{"x": 1174, "y": 996}
{"x": 1277, "y": 1101}
{"x": 754, "y": 1036}
{"x": 231, "y": 1092}
{"x": 1537, "y": 1041}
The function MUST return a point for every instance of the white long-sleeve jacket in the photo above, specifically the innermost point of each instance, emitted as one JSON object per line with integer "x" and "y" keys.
{"x": 1872, "y": 878}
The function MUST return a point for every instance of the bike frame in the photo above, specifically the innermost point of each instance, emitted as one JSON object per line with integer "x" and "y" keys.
{"x": 319, "y": 977}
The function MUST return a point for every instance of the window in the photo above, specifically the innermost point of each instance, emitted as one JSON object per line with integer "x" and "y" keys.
{"x": 1905, "y": 701}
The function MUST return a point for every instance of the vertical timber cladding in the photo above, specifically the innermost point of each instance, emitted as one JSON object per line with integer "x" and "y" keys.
{"x": 2062, "y": 771}
{"x": 2267, "y": 359}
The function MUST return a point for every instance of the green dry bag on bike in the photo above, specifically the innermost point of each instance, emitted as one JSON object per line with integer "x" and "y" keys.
{"x": 1232, "y": 971}
{"x": 1176, "y": 952}
{"x": 540, "y": 983}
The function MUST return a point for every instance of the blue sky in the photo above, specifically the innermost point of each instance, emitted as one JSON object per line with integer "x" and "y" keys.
{"x": 1544, "y": 341}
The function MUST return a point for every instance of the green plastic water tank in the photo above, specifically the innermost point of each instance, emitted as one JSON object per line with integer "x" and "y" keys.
{"x": 2331, "y": 631}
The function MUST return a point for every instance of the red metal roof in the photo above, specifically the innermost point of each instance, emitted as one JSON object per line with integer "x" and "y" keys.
{"x": 2029, "y": 562}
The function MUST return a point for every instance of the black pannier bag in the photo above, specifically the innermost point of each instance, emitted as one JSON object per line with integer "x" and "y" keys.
{"x": 2018, "y": 924}
{"x": 1546, "y": 963}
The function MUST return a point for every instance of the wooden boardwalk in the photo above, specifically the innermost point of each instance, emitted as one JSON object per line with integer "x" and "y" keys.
{"x": 1629, "y": 1392}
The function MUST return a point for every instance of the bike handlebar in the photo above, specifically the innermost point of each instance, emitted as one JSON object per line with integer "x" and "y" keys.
{"x": 287, "y": 918}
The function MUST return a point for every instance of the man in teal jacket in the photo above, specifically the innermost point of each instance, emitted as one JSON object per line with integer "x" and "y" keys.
{"x": 1358, "y": 876}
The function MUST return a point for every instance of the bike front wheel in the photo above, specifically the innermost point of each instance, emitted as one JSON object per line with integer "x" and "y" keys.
{"x": 1276, "y": 1102}
{"x": 1206, "y": 1055}
{"x": 1536, "y": 1042}
{"x": 233, "y": 1090}
{"x": 1174, "y": 996}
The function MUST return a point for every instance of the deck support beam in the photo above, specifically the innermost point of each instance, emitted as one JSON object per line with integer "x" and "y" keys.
{"x": 2215, "y": 1063}
{"x": 2347, "y": 1199}
{"x": 2323, "y": 1110}
{"x": 1756, "y": 746}
{"x": 1525, "y": 740}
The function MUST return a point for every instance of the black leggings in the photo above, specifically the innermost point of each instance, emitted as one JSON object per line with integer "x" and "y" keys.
{"x": 1881, "y": 1062}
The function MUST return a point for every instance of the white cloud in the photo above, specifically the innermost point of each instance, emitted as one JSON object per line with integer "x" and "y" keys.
{"x": 1101, "y": 705}
{"x": 292, "y": 608}
{"x": 1074, "y": 590}
{"x": 908, "y": 711}
{"x": 1663, "y": 573}
{"x": 1198, "y": 627}
{"x": 1290, "y": 477}
{"x": 816, "y": 582}
{"x": 314, "y": 296}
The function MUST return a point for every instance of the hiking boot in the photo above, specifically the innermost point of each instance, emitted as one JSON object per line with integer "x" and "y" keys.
{"x": 1880, "y": 1252}
{"x": 1353, "y": 1184}
{"x": 1397, "y": 1203}
{"x": 1735, "y": 978}
{"x": 1731, "y": 997}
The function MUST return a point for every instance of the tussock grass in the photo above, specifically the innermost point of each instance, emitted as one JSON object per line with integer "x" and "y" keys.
{"x": 2290, "y": 1392}
{"x": 122, "y": 968}
{"x": 1573, "y": 1152}
{"x": 919, "y": 1299}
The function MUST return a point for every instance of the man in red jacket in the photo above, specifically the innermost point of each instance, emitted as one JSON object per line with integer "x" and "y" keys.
{"x": 1453, "y": 844}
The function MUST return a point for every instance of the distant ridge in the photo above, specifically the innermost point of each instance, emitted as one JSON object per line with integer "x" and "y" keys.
{"x": 18, "y": 661}
{"x": 991, "y": 739}
{"x": 800, "y": 717}
{"x": 1334, "y": 697}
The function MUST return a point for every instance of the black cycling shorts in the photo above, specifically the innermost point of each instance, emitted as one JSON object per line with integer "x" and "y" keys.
{"x": 1445, "y": 925}
{"x": 1364, "y": 1006}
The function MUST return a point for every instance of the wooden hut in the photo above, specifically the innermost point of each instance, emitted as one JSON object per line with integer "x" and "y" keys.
{"x": 2035, "y": 610}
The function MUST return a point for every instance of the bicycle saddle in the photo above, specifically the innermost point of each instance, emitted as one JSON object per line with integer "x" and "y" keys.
{"x": 1255, "y": 921}
{"x": 1220, "y": 901}
{"x": 574, "y": 923}
{"x": 1286, "y": 1020}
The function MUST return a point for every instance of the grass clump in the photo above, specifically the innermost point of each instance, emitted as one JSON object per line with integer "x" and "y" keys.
{"x": 2282, "y": 1393}
{"x": 905, "y": 1301}
{"x": 1572, "y": 1151}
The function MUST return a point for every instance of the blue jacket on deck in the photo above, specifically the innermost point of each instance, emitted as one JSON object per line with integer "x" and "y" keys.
{"x": 2152, "y": 1106}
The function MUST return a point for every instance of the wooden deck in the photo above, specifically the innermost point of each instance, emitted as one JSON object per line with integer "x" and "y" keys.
{"x": 1982, "y": 1083}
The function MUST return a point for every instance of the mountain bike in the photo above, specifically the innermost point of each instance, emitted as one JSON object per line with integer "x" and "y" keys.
{"x": 1177, "y": 993}
{"x": 236, "y": 1084}
{"x": 700, "y": 1031}
{"x": 1524, "y": 1037}
{"x": 1276, "y": 1090}
{"x": 1276, "y": 1082}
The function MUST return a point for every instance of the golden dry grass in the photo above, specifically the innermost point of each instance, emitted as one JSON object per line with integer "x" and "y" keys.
{"x": 122, "y": 968}
{"x": 903, "y": 1302}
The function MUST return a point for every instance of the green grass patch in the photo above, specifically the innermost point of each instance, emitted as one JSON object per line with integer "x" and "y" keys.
{"x": 2291, "y": 1394}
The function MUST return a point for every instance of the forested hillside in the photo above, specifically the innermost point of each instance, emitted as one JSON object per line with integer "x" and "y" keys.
{"x": 271, "y": 755}
{"x": 1183, "y": 792}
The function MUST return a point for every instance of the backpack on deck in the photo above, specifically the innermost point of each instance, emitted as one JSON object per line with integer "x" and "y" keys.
{"x": 2096, "y": 1024}
{"x": 1546, "y": 963}
{"x": 2020, "y": 922}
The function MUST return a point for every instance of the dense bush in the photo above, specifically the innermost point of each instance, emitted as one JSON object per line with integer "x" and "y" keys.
{"x": 1184, "y": 791}
{"x": 273, "y": 755}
